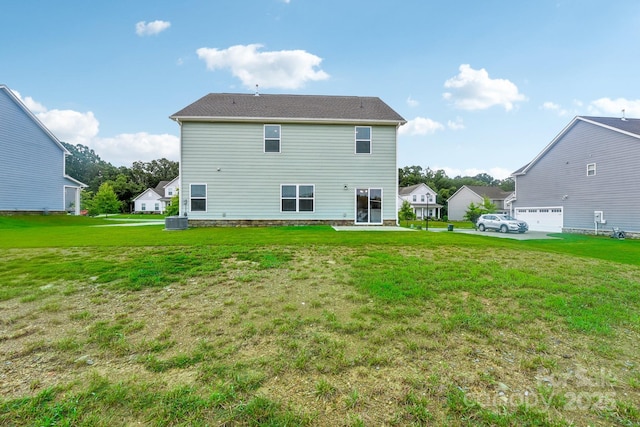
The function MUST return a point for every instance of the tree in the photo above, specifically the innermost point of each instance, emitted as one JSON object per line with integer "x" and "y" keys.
{"x": 474, "y": 211}
{"x": 105, "y": 201}
{"x": 406, "y": 212}
{"x": 174, "y": 207}
{"x": 125, "y": 189}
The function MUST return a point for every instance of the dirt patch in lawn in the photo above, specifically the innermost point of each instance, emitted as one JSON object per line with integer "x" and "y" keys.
{"x": 300, "y": 333}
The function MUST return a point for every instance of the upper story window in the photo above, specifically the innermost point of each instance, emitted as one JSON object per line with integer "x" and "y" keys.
{"x": 591, "y": 169}
{"x": 271, "y": 138}
{"x": 363, "y": 140}
{"x": 422, "y": 197}
{"x": 414, "y": 198}
{"x": 297, "y": 198}
{"x": 198, "y": 197}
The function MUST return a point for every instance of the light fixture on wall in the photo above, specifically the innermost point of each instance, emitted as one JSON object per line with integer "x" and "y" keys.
{"x": 346, "y": 187}
{"x": 565, "y": 197}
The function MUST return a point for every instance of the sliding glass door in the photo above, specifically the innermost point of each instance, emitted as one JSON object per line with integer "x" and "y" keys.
{"x": 369, "y": 206}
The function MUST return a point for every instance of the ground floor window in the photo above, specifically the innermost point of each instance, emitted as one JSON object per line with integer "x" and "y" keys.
{"x": 157, "y": 207}
{"x": 144, "y": 206}
{"x": 297, "y": 198}
{"x": 369, "y": 205}
{"x": 198, "y": 197}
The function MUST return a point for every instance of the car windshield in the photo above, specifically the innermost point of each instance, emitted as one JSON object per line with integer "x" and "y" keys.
{"x": 507, "y": 217}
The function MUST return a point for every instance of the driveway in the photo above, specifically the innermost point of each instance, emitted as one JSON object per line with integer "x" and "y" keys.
{"x": 529, "y": 235}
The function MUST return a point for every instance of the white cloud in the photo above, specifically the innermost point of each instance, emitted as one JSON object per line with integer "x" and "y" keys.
{"x": 285, "y": 69}
{"x": 122, "y": 150}
{"x": 412, "y": 102}
{"x": 614, "y": 107}
{"x": 420, "y": 126}
{"x": 474, "y": 90}
{"x": 456, "y": 124}
{"x": 71, "y": 126}
{"x": 555, "y": 108}
{"x": 144, "y": 28}
{"x": 34, "y": 106}
{"x": 126, "y": 148}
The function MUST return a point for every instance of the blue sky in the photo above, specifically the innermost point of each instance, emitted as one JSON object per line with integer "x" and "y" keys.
{"x": 484, "y": 85}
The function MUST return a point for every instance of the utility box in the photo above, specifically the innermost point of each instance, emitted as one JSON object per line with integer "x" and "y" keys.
{"x": 176, "y": 223}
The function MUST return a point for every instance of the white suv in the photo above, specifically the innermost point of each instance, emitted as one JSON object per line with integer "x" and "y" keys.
{"x": 502, "y": 223}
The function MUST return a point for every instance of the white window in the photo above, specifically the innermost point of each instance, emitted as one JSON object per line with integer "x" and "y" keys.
{"x": 144, "y": 206}
{"x": 414, "y": 197}
{"x": 198, "y": 197}
{"x": 271, "y": 138}
{"x": 297, "y": 198}
{"x": 363, "y": 140}
{"x": 591, "y": 169}
{"x": 422, "y": 197}
{"x": 157, "y": 207}
{"x": 170, "y": 192}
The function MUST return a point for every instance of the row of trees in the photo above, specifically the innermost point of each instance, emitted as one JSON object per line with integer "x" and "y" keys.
{"x": 125, "y": 183}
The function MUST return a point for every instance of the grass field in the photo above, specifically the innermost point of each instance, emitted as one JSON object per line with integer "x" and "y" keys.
{"x": 103, "y": 325}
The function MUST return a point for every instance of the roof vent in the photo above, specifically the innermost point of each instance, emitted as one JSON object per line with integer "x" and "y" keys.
{"x": 257, "y": 93}
{"x": 623, "y": 117}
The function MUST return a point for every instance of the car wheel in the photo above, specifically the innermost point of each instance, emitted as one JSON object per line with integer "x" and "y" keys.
{"x": 481, "y": 227}
{"x": 504, "y": 229}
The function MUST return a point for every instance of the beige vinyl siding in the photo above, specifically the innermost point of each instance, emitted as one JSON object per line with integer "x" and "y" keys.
{"x": 247, "y": 184}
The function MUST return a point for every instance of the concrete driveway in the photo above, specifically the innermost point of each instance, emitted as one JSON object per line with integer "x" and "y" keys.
{"x": 529, "y": 235}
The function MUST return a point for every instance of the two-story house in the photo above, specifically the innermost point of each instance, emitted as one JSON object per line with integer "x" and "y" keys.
{"x": 32, "y": 163}
{"x": 288, "y": 159}
{"x": 156, "y": 200}
{"x": 585, "y": 180}
{"x": 422, "y": 200}
{"x": 459, "y": 201}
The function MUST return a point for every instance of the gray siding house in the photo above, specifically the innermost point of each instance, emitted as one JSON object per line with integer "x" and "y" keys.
{"x": 585, "y": 180}
{"x": 288, "y": 159}
{"x": 459, "y": 201}
{"x": 32, "y": 161}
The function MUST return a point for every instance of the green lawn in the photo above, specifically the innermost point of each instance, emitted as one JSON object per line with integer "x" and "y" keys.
{"x": 106, "y": 325}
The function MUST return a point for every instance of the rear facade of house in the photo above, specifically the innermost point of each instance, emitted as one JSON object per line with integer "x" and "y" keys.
{"x": 288, "y": 159}
{"x": 585, "y": 180}
{"x": 32, "y": 161}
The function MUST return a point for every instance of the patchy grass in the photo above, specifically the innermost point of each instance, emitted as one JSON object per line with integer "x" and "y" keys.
{"x": 306, "y": 326}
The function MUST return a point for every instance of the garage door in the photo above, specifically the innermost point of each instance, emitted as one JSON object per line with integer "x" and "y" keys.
{"x": 542, "y": 219}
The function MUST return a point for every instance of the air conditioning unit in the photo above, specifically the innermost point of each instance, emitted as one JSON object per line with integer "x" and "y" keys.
{"x": 176, "y": 223}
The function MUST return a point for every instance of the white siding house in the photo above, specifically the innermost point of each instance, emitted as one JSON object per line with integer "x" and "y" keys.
{"x": 32, "y": 163}
{"x": 156, "y": 200}
{"x": 422, "y": 200}
{"x": 585, "y": 180}
{"x": 288, "y": 159}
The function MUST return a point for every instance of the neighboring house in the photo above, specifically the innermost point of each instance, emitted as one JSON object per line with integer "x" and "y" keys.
{"x": 156, "y": 200}
{"x": 585, "y": 179}
{"x": 459, "y": 202}
{"x": 32, "y": 161}
{"x": 422, "y": 199}
{"x": 288, "y": 159}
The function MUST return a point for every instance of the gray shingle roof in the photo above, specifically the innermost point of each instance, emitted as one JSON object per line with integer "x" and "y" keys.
{"x": 495, "y": 193}
{"x": 235, "y": 106}
{"x": 626, "y": 125}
